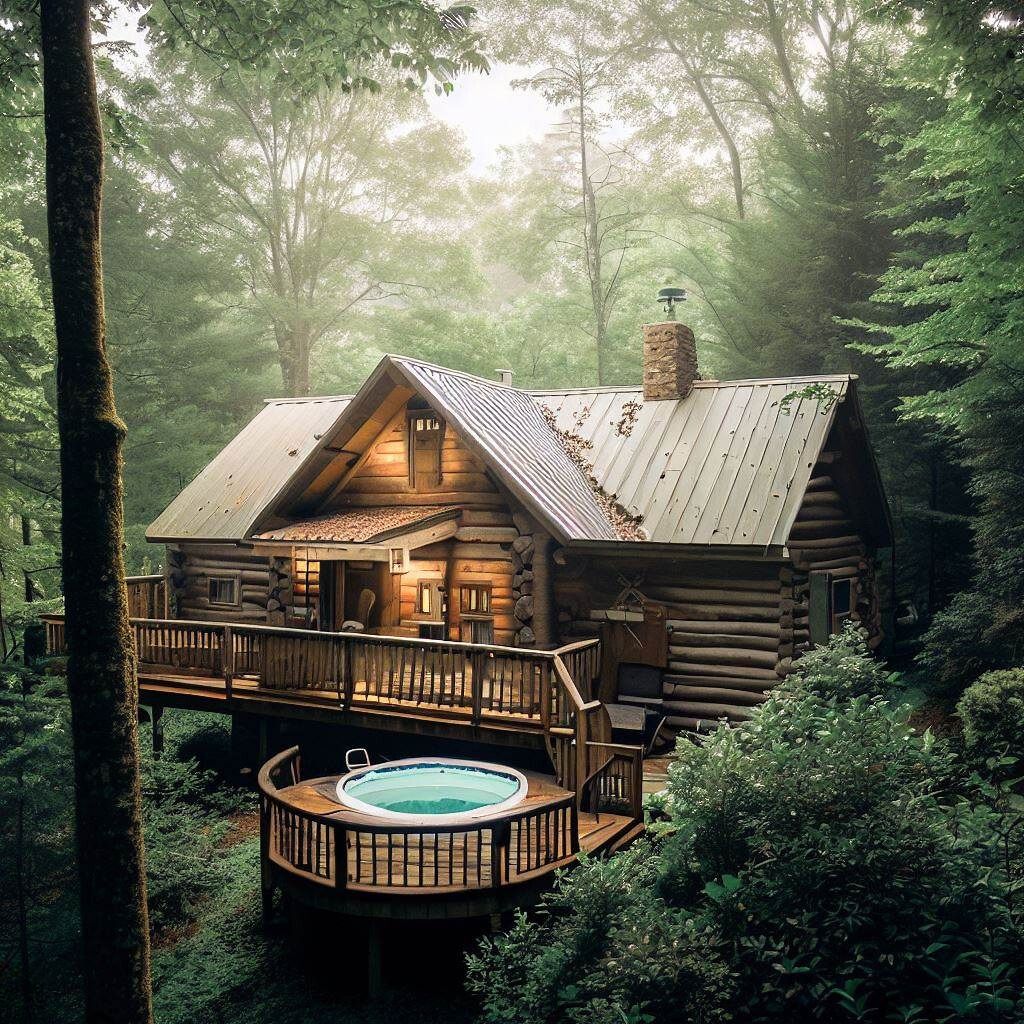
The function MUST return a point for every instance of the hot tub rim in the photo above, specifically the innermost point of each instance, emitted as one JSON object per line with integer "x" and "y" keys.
{"x": 460, "y": 817}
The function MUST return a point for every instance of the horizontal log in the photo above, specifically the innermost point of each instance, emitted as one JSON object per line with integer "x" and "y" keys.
{"x": 488, "y": 552}
{"x": 825, "y": 497}
{"x": 823, "y": 482}
{"x": 814, "y": 513}
{"x": 726, "y": 627}
{"x": 712, "y": 583}
{"x": 217, "y": 551}
{"x": 249, "y": 570}
{"x": 487, "y": 534}
{"x": 849, "y": 541}
{"x": 258, "y": 618}
{"x": 723, "y": 656}
{"x": 752, "y": 643}
{"x": 676, "y": 686}
{"x": 702, "y": 595}
{"x": 485, "y": 517}
{"x": 734, "y": 712}
{"x": 731, "y": 612}
{"x": 704, "y": 670}
{"x": 473, "y": 498}
{"x": 719, "y": 694}
{"x": 821, "y": 528}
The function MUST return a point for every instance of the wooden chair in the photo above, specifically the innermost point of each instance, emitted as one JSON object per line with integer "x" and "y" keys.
{"x": 367, "y": 599}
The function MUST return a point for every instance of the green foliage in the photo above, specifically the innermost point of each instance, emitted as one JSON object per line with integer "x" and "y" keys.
{"x": 605, "y": 949}
{"x": 841, "y": 669}
{"x": 992, "y": 712}
{"x": 838, "y": 865}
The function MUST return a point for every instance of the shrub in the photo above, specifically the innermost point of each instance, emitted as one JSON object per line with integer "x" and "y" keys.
{"x": 992, "y": 711}
{"x": 604, "y": 948}
{"x": 841, "y": 669}
{"x": 824, "y": 844}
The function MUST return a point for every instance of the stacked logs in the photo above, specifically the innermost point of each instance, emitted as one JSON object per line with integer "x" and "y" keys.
{"x": 730, "y": 641}
{"x": 825, "y": 537}
{"x": 190, "y": 571}
{"x": 523, "y": 602}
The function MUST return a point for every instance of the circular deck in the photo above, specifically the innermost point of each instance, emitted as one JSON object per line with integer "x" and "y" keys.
{"x": 331, "y": 856}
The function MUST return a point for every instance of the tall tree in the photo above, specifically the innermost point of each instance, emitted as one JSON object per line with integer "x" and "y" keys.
{"x": 101, "y": 664}
{"x": 312, "y": 41}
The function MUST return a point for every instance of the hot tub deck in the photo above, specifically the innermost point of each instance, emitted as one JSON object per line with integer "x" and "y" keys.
{"x": 330, "y": 855}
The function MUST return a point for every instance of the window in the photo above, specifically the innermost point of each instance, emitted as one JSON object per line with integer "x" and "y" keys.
{"x": 842, "y": 603}
{"x": 475, "y": 612}
{"x": 430, "y": 600}
{"x": 475, "y": 598}
{"x": 398, "y": 560}
{"x": 426, "y": 438}
{"x": 832, "y": 601}
{"x": 224, "y": 591}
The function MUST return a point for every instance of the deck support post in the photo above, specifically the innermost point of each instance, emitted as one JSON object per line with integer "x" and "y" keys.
{"x": 156, "y": 715}
{"x": 264, "y": 742}
{"x": 544, "y": 629}
{"x": 374, "y": 958}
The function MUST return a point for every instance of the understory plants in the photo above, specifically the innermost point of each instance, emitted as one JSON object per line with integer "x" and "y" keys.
{"x": 823, "y": 862}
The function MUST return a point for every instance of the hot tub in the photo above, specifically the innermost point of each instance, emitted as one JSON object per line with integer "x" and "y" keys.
{"x": 439, "y": 790}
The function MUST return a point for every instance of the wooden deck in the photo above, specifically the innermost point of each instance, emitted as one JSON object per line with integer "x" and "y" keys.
{"x": 333, "y": 857}
{"x": 488, "y": 693}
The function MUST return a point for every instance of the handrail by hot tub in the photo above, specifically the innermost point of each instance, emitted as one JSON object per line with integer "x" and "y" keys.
{"x": 343, "y": 850}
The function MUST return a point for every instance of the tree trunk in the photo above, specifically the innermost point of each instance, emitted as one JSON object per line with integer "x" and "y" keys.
{"x": 101, "y": 669}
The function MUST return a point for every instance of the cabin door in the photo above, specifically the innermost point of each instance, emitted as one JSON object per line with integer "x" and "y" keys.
{"x": 332, "y": 596}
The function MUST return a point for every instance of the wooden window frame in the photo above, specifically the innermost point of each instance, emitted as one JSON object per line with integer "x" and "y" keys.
{"x": 412, "y": 433}
{"x": 235, "y": 579}
{"x": 435, "y": 586}
{"x": 823, "y": 620}
{"x": 485, "y": 591}
{"x": 839, "y": 619}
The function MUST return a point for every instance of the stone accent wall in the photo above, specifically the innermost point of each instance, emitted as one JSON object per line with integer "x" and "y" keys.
{"x": 670, "y": 361}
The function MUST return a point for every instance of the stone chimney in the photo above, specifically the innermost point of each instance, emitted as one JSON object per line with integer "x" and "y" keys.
{"x": 505, "y": 376}
{"x": 670, "y": 361}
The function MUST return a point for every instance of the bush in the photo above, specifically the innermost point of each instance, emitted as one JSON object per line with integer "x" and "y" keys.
{"x": 992, "y": 712}
{"x": 823, "y": 863}
{"x": 826, "y": 846}
{"x": 841, "y": 669}
{"x": 604, "y": 949}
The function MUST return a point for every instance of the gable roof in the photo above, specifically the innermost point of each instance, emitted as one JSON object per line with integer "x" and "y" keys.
{"x": 227, "y": 497}
{"x": 726, "y": 467}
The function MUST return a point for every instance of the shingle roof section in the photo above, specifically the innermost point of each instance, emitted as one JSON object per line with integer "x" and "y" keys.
{"x": 361, "y": 525}
{"x": 728, "y": 465}
{"x": 225, "y": 500}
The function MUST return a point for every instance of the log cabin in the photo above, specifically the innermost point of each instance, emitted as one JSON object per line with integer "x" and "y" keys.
{"x": 707, "y": 531}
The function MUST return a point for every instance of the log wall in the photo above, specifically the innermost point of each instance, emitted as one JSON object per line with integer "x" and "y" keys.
{"x": 826, "y": 538}
{"x": 729, "y": 624}
{"x": 190, "y": 567}
{"x": 383, "y": 478}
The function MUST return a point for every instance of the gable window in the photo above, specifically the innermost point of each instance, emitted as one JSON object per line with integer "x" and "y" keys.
{"x": 224, "y": 591}
{"x": 832, "y": 602}
{"x": 426, "y": 437}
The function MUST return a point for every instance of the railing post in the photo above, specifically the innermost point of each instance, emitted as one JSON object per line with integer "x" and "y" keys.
{"x": 346, "y": 663}
{"x": 545, "y": 695}
{"x": 582, "y": 753}
{"x": 266, "y": 878}
{"x": 477, "y": 660}
{"x": 340, "y": 856}
{"x": 227, "y": 654}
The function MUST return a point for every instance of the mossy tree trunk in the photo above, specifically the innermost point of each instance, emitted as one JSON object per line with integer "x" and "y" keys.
{"x": 101, "y": 670}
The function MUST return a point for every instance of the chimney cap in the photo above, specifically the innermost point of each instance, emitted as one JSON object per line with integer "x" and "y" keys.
{"x": 670, "y": 296}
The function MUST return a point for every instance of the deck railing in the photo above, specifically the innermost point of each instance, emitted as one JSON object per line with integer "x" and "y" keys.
{"x": 500, "y": 851}
{"x": 615, "y": 784}
{"x": 549, "y": 691}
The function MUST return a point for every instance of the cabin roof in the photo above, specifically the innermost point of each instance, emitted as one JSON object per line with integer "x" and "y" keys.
{"x": 725, "y": 467}
{"x": 361, "y": 525}
{"x": 224, "y": 500}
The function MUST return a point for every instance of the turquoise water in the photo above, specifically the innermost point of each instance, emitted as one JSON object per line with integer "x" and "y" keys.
{"x": 432, "y": 788}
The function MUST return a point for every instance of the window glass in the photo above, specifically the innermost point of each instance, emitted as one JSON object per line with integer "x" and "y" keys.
{"x": 223, "y": 590}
